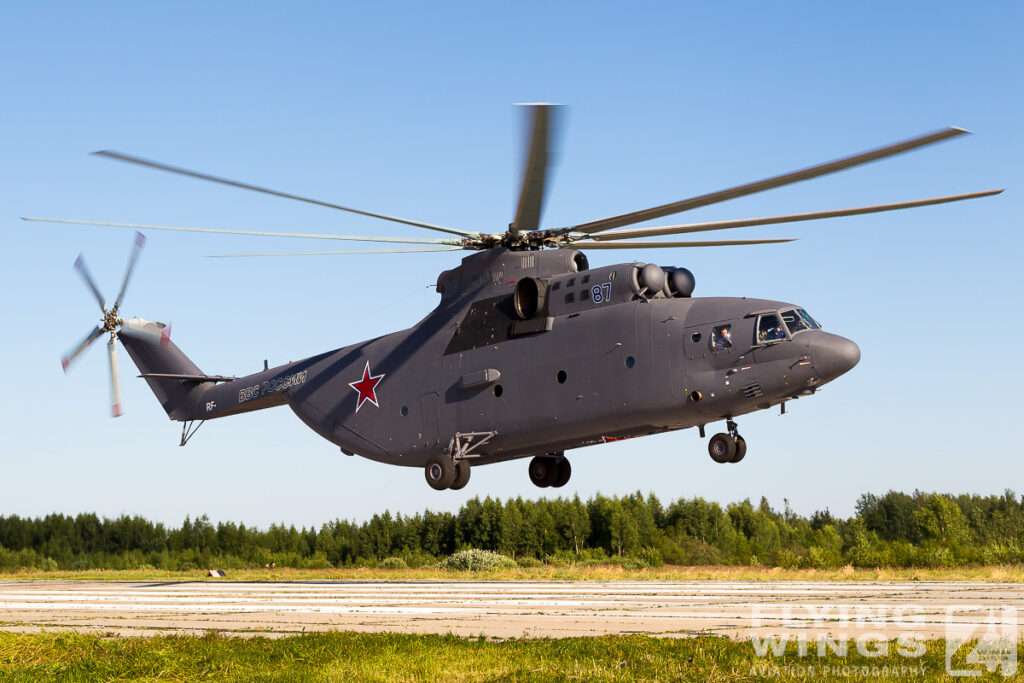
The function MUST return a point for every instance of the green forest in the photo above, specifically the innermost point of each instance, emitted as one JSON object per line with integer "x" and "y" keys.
{"x": 897, "y": 530}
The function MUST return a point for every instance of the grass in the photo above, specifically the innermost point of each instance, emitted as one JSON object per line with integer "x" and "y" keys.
{"x": 1011, "y": 573}
{"x": 339, "y": 656}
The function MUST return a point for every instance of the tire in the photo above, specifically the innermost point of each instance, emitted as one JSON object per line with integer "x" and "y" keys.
{"x": 741, "y": 449}
{"x": 461, "y": 475}
{"x": 440, "y": 472}
{"x": 543, "y": 471}
{"x": 722, "y": 448}
{"x": 564, "y": 472}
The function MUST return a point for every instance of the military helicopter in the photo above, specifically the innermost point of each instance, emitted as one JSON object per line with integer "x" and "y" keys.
{"x": 530, "y": 352}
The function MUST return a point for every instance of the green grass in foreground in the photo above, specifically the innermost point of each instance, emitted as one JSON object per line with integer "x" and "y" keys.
{"x": 387, "y": 657}
{"x": 1002, "y": 573}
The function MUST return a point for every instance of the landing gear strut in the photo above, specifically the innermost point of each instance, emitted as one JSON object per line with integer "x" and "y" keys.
{"x": 552, "y": 469}
{"x": 727, "y": 447}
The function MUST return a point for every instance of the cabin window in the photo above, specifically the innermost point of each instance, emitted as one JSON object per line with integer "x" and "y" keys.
{"x": 561, "y": 377}
{"x": 630, "y": 361}
{"x": 770, "y": 330}
{"x": 721, "y": 338}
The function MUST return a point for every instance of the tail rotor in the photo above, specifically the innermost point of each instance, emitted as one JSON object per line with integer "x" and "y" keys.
{"x": 110, "y": 324}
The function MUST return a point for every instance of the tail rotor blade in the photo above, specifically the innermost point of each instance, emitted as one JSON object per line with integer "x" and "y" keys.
{"x": 115, "y": 380}
{"x": 140, "y": 241}
{"x": 84, "y": 272}
{"x": 67, "y": 360}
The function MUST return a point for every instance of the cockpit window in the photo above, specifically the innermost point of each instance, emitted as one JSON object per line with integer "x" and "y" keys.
{"x": 794, "y": 321}
{"x": 769, "y": 329}
{"x": 811, "y": 322}
{"x": 721, "y": 338}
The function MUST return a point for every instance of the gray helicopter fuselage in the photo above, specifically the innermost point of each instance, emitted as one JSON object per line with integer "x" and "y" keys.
{"x": 599, "y": 361}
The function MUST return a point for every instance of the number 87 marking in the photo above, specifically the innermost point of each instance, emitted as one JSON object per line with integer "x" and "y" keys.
{"x": 601, "y": 292}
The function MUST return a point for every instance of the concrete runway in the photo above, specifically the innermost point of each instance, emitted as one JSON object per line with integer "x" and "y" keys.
{"x": 516, "y": 609}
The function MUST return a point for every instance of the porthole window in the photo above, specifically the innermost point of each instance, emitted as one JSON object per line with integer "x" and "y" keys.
{"x": 695, "y": 337}
{"x": 630, "y": 361}
{"x": 405, "y": 411}
{"x": 498, "y": 390}
{"x": 561, "y": 377}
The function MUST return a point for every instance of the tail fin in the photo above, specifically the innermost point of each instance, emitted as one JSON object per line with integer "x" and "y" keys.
{"x": 175, "y": 380}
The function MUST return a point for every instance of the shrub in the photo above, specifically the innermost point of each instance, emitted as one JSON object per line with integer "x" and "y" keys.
{"x": 650, "y": 557}
{"x": 477, "y": 560}
{"x": 393, "y": 563}
{"x": 527, "y": 562}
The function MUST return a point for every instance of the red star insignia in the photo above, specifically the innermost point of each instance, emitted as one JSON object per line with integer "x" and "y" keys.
{"x": 367, "y": 387}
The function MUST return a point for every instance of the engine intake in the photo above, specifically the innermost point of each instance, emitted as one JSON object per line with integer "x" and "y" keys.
{"x": 530, "y": 298}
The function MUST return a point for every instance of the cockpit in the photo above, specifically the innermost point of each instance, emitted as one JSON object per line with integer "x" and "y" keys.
{"x": 780, "y": 326}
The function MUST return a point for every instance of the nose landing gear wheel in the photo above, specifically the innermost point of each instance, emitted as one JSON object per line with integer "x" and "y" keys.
{"x": 564, "y": 472}
{"x": 741, "y": 449}
{"x": 544, "y": 470}
{"x": 722, "y": 448}
{"x": 461, "y": 475}
{"x": 440, "y": 472}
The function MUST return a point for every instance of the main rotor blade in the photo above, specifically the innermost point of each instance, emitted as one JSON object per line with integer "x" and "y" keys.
{"x": 84, "y": 272}
{"x": 539, "y": 158}
{"x": 358, "y": 238}
{"x": 67, "y": 360}
{"x": 115, "y": 380}
{"x": 792, "y": 218}
{"x": 767, "y": 184}
{"x": 140, "y": 240}
{"x": 403, "y": 250}
{"x": 256, "y": 188}
{"x": 663, "y": 245}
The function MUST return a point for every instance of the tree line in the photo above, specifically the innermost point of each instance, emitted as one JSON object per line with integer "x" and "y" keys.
{"x": 891, "y": 530}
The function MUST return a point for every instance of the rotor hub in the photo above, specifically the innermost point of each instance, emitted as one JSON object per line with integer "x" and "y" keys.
{"x": 111, "y": 322}
{"x": 519, "y": 241}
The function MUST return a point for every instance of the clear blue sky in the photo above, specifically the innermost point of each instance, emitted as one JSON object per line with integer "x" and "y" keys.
{"x": 406, "y": 108}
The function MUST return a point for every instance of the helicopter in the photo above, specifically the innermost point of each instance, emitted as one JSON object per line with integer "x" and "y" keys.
{"x": 530, "y": 352}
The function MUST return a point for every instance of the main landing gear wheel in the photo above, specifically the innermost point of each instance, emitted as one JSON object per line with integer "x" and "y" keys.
{"x": 722, "y": 448}
{"x": 461, "y": 475}
{"x": 440, "y": 472}
{"x": 544, "y": 470}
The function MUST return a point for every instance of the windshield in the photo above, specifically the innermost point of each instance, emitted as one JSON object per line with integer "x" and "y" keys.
{"x": 794, "y": 321}
{"x": 811, "y": 322}
{"x": 797, "y": 320}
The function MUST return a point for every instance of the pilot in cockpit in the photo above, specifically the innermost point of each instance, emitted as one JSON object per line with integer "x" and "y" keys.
{"x": 721, "y": 338}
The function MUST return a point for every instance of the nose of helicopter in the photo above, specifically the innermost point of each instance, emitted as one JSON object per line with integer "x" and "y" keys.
{"x": 833, "y": 355}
